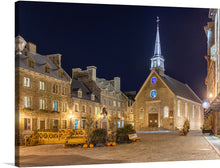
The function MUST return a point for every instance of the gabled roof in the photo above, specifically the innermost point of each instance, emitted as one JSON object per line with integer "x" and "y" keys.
{"x": 77, "y": 85}
{"x": 40, "y": 61}
{"x": 180, "y": 89}
{"x": 176, "y": 87}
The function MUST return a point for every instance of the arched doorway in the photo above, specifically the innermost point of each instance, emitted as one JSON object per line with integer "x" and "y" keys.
{"x": 153, "y": 118}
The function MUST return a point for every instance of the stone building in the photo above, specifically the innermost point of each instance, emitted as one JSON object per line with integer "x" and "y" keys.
{"x": 45, "y": 96}
{"x": 163, "y": 101}
{"x": 113, "y": 102}
{"x": 42, "y": 94}
{"x": 212, "y": 30}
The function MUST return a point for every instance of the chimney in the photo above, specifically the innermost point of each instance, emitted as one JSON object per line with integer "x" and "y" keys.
{"x": 31, "y": 47}
{"x": 75, "y": 72}
{"x": 92, "y": 72}
{"x": 19, "y": 44}
{"x": 55, "y": 58}
{"x": 117, "y": 84}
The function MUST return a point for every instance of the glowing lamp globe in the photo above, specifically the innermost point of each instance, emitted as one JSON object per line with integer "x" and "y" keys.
{"x": 205, "y": 104}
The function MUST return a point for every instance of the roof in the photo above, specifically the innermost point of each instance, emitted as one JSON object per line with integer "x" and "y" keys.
{"x": 39, "y": 62}
{"x": 180, "y": 89}
{"x": 78, "y": 85}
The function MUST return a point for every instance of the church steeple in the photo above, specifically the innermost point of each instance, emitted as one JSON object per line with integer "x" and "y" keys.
{"x": 157, "y": 61}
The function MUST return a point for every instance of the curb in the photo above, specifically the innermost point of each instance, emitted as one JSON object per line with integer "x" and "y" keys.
{"x": 213, "y": 146}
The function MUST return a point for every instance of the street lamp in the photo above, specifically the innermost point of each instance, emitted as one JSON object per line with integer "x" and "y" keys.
{"x": 205, "y": 104}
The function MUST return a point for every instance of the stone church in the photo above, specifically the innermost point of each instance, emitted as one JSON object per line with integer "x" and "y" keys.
{"x": 165, "y": 102}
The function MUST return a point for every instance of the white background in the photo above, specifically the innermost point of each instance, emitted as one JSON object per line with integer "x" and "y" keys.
{"x": 7, "y": 78}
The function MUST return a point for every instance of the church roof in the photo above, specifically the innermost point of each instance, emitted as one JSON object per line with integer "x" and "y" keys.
{"x": 180, "y": 89}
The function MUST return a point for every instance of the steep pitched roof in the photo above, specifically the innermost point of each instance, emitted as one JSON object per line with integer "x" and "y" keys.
{"x": 180, "y": 89}
{"x": 40, "y": 61}
{"x": 76, "y": 85}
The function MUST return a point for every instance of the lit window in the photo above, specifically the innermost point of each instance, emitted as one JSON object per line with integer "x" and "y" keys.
{"x": 42, "y": 85}
{"x": 122, "y": 124}
{"x": 64, "y": 107}
{"x": 47, "y": 69}
{"x": 161, "y": 64}
{"x": 92, "y": 97}
{"x": 64, "y": 124}
{"x": 55, "y": 106}
{"x": 84, "y": 109}
{"x": 166, "y": 111}
{"x": 64, "y": 91}
{"x": 80, "y": 93}
{"x": 42, "y": 104}
{"x": 76, "y": 124}
{"x": 178, "y": 108}
{"x": 96, "y": 110}
{"x": 27, "y": 124}
{"x": 76, "y": 107}
{"x": 55, "y": 124}
{"x": 30, "y": 63}
{"x": 153, "y": 93}
{"x": 185, "y": 109}
{"x": 27, "y": 82}
{"x": 119, "y": 104}
{"x": 141, "y": 113}
{"x": 114, "y": 103}
{"x": 193, "y": 112}
{"x": 27, "y": 102}
{"x": 119, "y": 114}
{"x": 119, "y": 124}
{"x": 55, "y": 88}
{"x": 155, "y": 63}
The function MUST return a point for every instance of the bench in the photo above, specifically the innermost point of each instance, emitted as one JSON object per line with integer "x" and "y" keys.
{"x": 133, "y": 137}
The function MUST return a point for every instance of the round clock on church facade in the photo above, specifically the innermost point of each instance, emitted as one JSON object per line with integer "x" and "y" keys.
{"x": 153, "y": 93}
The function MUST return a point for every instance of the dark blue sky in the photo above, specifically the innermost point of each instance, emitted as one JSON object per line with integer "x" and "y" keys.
{"x": 119, "y": 39}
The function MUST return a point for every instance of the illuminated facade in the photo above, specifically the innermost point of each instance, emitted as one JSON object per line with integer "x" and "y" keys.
{"x": 163, "y": 101}
{"x": 46, "y": 97}
{"x": 212, "y": 30}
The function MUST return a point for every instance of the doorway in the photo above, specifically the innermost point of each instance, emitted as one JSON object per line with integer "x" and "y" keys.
{"x": 153, "y": 120}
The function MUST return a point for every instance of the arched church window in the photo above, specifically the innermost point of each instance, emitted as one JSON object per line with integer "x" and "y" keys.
{"x": 166, "y": 111}
{"x": 155, "y": 64}
{"x": 141, "y": 113}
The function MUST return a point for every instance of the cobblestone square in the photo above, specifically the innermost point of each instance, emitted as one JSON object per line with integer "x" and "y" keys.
{"x": 153, "y": 147}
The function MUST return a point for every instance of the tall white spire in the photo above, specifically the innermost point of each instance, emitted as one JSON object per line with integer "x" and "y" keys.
{"x": 157, "y": 61}
{"x": 157, "y": 50}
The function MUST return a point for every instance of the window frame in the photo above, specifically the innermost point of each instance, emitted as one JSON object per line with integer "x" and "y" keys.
{"x": 27, "y": 82}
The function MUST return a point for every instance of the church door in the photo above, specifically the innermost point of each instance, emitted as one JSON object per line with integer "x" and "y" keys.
{"x": 153, "y": 120}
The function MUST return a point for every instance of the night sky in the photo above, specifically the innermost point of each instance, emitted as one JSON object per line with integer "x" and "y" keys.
{"x": 118, "y": 39}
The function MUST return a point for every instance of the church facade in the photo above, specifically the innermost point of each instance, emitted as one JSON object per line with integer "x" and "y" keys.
{"x": 165, "y": 102}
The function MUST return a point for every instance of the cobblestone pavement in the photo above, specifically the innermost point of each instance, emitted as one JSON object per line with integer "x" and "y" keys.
{"x": 153, "y": 147}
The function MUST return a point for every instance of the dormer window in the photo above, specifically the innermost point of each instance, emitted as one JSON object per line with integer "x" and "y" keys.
{"x": 60, "y": 74}
{"x": 80, "y": 93}
{"x": 47, "y": 68}
{"x": 30, "y": 63}
{"x": 25, "y": 52}
{"x": 92, "y": 97}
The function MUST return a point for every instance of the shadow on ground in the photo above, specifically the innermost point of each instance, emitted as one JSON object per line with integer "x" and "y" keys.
{"x": 60, "y": 160}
